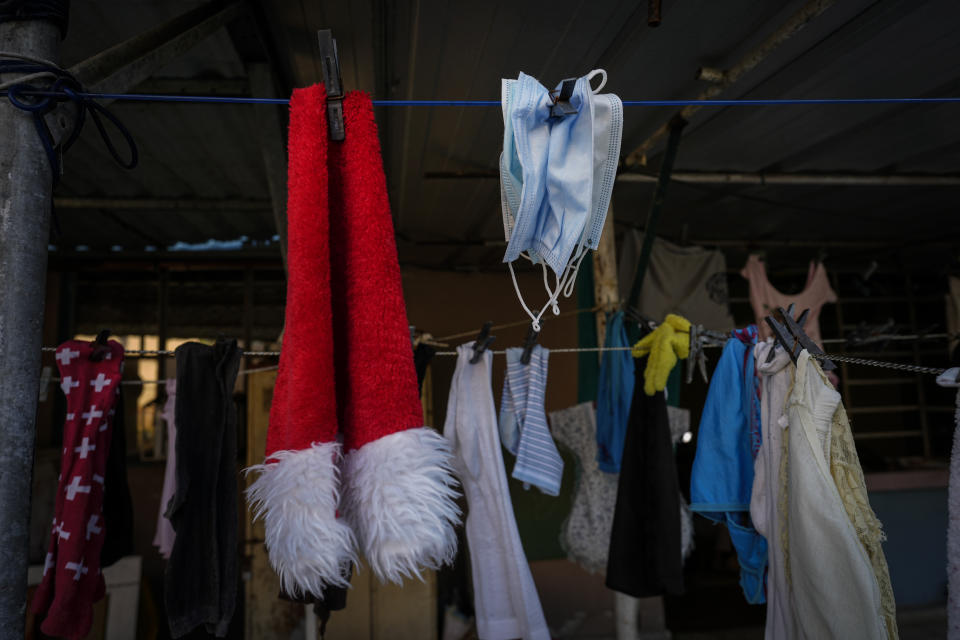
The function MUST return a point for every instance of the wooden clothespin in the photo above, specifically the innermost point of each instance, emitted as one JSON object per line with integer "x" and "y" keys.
{"x": 330, "y": 62}
{"x": 483, "y": 342}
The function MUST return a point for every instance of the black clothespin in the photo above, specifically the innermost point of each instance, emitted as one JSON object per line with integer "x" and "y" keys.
{"x": 791, "y": 335}
{"x": 330, "y": 63}
{"x": 561, "y": 99}
{"x": 801, "y": 320}
{"x": 100, "y": 346}
{"x": 483, "y": 342}
{"x": 528, "y": 343}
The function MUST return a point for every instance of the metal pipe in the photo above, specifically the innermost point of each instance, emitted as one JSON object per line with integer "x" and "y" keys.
{"x": 25, "y": 187}
{"x": 797, "y": 21}
{"x": 746, "y": 178}
{"x": 801, "y": 179}
{"x": 163, "y": 204}
{"x": 656, "y": 205}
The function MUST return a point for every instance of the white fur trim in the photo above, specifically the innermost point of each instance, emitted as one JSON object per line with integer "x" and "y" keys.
{"x": 297, "y": 496}
{"x": 399, "y": 495}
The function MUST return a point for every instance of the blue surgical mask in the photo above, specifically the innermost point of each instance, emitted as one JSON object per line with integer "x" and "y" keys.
{"x": 556, "y": 177}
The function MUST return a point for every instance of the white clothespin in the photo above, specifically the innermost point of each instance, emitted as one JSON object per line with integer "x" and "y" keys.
{"x": 949, "y": 378}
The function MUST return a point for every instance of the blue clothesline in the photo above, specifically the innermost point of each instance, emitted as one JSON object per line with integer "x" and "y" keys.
{"x": 745, "y": 102}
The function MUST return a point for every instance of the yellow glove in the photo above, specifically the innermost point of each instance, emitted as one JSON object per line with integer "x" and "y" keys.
{"x": 666, "y": 344}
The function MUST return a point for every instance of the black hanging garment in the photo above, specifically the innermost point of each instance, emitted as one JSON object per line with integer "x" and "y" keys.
{"x": 645, "y": 544}
{"x": 201, "y": 577}
{"x": 422, "y": 355}
{"x": 117, "y": 504}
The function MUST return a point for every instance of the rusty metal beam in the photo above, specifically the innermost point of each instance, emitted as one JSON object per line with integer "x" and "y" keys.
{"x": 747, "y": 178}
{"x": 801, "y": 179}
{"x": 162, "y": 204}
{"x": 127, "y": 64}
{"x": 809, "y": 11}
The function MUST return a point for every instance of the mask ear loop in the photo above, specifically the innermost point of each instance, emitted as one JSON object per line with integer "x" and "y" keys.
{"x": 592, "y": 75}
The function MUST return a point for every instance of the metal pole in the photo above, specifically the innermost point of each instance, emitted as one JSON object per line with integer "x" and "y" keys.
{"x": 25, "y": 196}
{"x": 653, "y": 217}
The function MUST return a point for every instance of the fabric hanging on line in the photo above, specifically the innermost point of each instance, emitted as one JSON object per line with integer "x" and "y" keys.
{"x": 585, "y": 534}
{"x": 117, "y": 502}
{"x": 505, "y": 597}
{"x": 347, "y": 367}
{"x": 665, "y": 345}
{"x": 614, "y": 395}
{"x": 765, "y": 299}
{"x": 202, "y": 575}
{"x": 953, "y": 532}
{"x": 165, "y": 535}
{"x": 833, "y": 537}
{"x": 687, "y": 281}
{"x": 952, "y": 302}
{"x": 422, "y": 356}
{"x": 72, "y": 581}
{"x": 776, "y": 379}
{"x": 721, "y": 481}
{"x": 523, "y": 423}
{"x": 646, "y": 549}
{"x": 556, "y": 177}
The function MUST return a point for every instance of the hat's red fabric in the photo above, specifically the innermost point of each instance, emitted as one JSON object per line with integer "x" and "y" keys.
{"x": 347, "y": 368}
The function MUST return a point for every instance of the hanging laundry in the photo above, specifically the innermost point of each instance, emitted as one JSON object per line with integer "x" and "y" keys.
{"x": 523, "y": 423}
{"x": 614, "y": 394}
{"x": 952, "y": 303}
{"x": 422, "y": 356}
{"x": 556, "y": 177}
{"x": 765, "y": 299}
{"x": 347, "y": 366}
{"x": 117, "y": 503}
{"x": 953, "y": 526}
{"x": 666, "y": 344}
{"x": 721, "y": 481}
{"x": 505, "y": 597}
{"x": 835, "y": 563}
{"x": 776, "y": 377}
{"x": 687, "y": 281}
{"x": 200, "y": 584}
{"x": 646, "y": 555}
{"x": 585, "y": 535}
{"x": 72, "y": 580}
{"x": 165, "y": 535}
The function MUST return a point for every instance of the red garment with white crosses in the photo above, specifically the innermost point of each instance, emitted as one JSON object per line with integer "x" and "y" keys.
{"x": 72, "y": 581}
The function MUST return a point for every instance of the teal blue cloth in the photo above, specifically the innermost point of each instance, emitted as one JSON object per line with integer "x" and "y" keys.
{"x": 722, "y": 478}
{"x": 614, "y": 395}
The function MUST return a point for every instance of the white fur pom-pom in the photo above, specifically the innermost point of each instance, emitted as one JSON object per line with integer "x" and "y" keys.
{"x": 399, "y": 495}
{"x": 297, "y": 495}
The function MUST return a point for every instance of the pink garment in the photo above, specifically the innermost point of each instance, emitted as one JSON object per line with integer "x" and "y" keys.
{"x": 764, "y": 298}
{"x": 165, "y": 535}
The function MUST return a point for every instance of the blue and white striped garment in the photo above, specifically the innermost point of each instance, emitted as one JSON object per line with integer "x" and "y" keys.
{"x": 523, "y": 423}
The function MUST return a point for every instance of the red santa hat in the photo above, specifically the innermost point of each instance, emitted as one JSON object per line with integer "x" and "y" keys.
{"x": 347, "y": 370}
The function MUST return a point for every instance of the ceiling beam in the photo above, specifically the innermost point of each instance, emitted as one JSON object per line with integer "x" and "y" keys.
{"x": 801, "y": 179}
{"x": 809, "y": 11}
{"x": 127, "y": 64}
{"x": 162, "y": 204}
{"x": 747, "y": 178}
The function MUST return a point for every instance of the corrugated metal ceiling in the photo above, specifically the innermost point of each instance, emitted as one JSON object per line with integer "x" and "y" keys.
{"x": 430, "y": 49}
